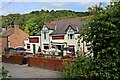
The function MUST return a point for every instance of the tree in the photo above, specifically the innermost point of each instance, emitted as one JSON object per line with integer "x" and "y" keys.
{"x": 39, "y": 18}
{"x": 103, "y": 32}
{"x": 31, "y": 26}
{"x": 26, "y": 29}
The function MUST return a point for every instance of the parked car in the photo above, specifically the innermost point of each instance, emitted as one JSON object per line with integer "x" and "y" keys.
{"x": 7, "y": 49}
{"x": 20, "y": 49}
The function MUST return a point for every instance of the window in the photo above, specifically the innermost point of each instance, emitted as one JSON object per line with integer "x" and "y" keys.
{"x": 70, "y": 36}
{"x": 8, "y": 38}
{"x": 59, "y": 47}
{"x": 44, "y": 35}
{"x": 28, "y": 46}
{"x": 46, "y": 46}
{"x": 9, "y": 44}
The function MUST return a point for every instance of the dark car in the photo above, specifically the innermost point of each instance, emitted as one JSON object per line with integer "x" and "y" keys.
{"x": 20, "y": 49}
{"x": 7, "y": 49}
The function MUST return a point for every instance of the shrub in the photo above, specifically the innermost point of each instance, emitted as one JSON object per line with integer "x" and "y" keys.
{"x": 4, "y": 74}
{"x": 102, "y": 36}
{"x": 77, "y": 69}
{"x": 105, "y": 69}
{"x": 85, "y": 68}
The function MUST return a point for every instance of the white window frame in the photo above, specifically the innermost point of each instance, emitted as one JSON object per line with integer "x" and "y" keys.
{"x": 8, "y": 43}
{"x": 8, "y": 38}
{"x": 70, "y": 32}
{"x": 46, "y": 45}
{"x": 70, "y": 36}
{"x": 27, "y": 46}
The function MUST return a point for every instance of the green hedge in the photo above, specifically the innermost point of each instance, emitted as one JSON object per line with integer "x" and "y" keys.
{"x": 85, "y": 68}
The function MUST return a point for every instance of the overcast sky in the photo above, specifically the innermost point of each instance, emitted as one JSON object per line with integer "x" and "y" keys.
{"x": 22, "y": 7}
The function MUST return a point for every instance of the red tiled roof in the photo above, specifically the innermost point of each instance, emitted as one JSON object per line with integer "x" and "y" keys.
{"x": 8, "y": 32}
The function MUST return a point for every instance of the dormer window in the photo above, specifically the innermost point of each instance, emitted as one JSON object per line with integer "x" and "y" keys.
{"x": 45, "y": 33}
{"x": 70, "y": 36}
{"x": 70, "y": 33}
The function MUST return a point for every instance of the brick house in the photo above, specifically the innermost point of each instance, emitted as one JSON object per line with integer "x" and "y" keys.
{"x": 13, "y": 37}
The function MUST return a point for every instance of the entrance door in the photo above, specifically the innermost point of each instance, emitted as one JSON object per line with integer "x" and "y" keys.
{"x": 60, "y": 47}
{"x": 73, "y": 49}
{"x": 34, "y": 50}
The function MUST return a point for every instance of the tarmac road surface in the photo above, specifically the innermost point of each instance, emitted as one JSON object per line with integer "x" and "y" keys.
{"x": 24, "y": 71}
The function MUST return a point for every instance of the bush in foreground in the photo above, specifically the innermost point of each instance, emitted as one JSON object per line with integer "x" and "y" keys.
{"x": 4, "y": 74}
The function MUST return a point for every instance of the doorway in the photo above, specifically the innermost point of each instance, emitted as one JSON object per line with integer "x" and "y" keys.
{"x": 73, "y": 49}
{"x": 34, "y": 48}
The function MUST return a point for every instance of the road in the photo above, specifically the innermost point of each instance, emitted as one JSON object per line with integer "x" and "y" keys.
{"x": 23, "y": 71}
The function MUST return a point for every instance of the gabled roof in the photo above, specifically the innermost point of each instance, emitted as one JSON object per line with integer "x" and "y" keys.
{"x": 50, "y": 26}
{"x": 73, "y": 26}
{"x": 8, "y": 32}
{"x": 62, "y": 25}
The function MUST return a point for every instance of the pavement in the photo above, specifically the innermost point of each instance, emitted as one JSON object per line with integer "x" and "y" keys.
{"x": 24, "y": 71}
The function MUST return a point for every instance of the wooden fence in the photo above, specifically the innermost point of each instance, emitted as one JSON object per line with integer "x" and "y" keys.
{"x": 15, "y": 59}
{"x": 48, "y": 63}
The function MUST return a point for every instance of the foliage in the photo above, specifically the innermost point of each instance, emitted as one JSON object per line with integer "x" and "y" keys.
{"x": 4, "y": 74}
{"x": 77, "y": 69}
{"x": 31, "y": 26}
{"x": 105, "y": 69}
{"x": 85, "y": 68}
{"x": 32, "y": 22}
{"x": 102, "y": 34}
{"x": 102, "y": 31}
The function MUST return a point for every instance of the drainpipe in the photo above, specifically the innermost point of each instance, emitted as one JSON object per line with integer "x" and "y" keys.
{"x": 40, "y": 43}
{"x": 66, "y": 46}
{"x": 49, "y": 40}
{"x": 7, "y": 41}
{"x": 41, "y": 40}
{"x": 83, "y": 47}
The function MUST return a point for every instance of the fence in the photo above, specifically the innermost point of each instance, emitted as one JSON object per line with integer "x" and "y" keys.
{"x": 15, "y": 59}
{"x": 48, "y": 63}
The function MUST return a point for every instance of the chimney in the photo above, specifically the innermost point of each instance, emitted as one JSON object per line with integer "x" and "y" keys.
{"x": 55, "y": 27}
{"x": 77, "y": 28}
{"x": 16, "y": 29}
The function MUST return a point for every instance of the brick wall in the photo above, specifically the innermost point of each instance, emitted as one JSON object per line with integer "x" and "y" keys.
{"x": 4, "y": 42}
{"x": 18, "y": 37}
{"x": 0, "y": 44}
